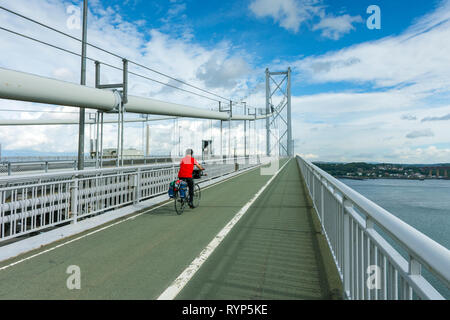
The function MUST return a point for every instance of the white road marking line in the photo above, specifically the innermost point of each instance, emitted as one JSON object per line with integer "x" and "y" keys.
{"x": 108, "y": 226}
{"x": 174, "y": 289}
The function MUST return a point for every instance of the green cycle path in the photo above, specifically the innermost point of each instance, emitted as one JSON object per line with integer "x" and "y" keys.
{"x": 275, "y": 251}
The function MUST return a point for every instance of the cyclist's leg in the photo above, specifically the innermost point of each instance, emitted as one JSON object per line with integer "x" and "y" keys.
{"x": 190, "y": 182}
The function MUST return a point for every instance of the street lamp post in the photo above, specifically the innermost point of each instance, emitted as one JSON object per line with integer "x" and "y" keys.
{"x": 82, "y": 82}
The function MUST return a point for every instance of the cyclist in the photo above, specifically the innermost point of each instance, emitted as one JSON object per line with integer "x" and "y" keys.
{"x": 186, "y": 168}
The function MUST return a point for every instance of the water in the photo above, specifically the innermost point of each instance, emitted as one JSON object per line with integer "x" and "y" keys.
{"x": 425, "y": 205}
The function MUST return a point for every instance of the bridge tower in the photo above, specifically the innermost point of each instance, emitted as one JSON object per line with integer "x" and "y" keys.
{"x": 279, "y": 127}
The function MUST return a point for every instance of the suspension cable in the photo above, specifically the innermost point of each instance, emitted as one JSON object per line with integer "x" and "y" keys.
{"x": 117, "y": 56}
{"x": 104, "y": 63}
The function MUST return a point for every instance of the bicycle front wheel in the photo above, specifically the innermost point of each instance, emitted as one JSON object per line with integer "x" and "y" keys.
{"x": 197, "y": 195}
{"x": 179, "y": 204}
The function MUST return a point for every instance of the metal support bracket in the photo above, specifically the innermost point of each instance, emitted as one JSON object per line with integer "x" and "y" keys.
{"x": 230, "y": 110}
{"x": 123, "y": 93}
{"x": 121, "y": 101}
{"x": 252, "y": 114}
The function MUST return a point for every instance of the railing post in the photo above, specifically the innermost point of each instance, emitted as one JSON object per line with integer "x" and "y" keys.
{"x": 322, "y": 205}
{"x": 313, "y": 185}
{"x": 74, "y": 200}
{"x": 9, "y": 168}
{"x": 46, "y": 166}
{"x": 137, "y": 187}
{"x": 368, "y": 292}
{"x": 346, "y": 248}
{"x": 310, "y": 174}
{"x": 415, "y": 269}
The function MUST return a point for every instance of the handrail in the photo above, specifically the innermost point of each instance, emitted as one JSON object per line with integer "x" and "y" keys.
{"x": 429, "y": 253}
{"x": 93, "y": 171}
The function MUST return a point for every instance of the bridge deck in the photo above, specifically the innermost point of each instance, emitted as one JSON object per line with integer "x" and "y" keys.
{"x": 274, "y": 252}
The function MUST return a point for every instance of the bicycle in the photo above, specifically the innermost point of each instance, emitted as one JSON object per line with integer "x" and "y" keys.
{"x": 180, "y": 202}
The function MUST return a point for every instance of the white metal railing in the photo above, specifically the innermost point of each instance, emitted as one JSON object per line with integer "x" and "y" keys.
{"x": 33, "y": 165}
{"x": 32, "y": 203}
{"x": 362, "y": 237}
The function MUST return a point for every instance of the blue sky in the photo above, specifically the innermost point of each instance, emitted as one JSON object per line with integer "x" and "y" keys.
{"x": 357, "y": 94}
{"x": 213, "y": 22}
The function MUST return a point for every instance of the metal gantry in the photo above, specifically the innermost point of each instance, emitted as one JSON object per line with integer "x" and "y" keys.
{"x": 279, "y": 127}
{"x": 120, "y": 109}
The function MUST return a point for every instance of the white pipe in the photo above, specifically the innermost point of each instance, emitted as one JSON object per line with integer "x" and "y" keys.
{"x": 68, "y": 121}
{"x": 22, "y": 86}
{"x": 26, "y": 87}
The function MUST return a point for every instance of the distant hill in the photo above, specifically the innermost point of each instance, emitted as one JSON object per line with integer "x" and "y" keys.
{"x": 362, "y": 170}
{"x": 384, "y": 163}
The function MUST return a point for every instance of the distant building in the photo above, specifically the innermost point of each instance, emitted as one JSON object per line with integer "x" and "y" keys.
{"x": 127, "y": 153}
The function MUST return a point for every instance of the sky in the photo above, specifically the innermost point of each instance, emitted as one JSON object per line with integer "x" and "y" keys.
{"x": 358, "y": 93}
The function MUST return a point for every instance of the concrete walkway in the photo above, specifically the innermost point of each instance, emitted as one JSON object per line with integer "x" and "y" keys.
{"x": 273, "y": 253}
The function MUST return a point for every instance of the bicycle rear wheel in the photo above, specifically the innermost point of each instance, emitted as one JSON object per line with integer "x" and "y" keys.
{"x": 180, "y": 203}
{"x": 197, "y": 195}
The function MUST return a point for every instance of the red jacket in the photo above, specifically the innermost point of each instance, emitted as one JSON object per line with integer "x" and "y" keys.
{"x": 187, "y": 167}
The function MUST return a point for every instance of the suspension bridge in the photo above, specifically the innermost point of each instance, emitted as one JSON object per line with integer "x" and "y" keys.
{"x": 271, "y": 225}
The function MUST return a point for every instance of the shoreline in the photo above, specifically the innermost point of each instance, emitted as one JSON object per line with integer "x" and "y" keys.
{"x": 389, "y": 178}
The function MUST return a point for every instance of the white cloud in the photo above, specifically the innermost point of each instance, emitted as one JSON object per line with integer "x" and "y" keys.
{"x": 398, "y": 80}
{"x": 309, "y": 156}
{"x": 415, "y": 60}
{"x": 335, "y": 27}
{"x": 220, "y": 72}
{"x": 420, "y": 134}
{"x": 408, "y": 117}
{"x": 176, "y": 9}
{"x": 290, "y": 14}
{"x": 333, "y": 104}
{"x": 375, "y": 137}
{"x": 442, "y": 118}
{"x": 430, "y": 154}
{"x": 63, "y": 74}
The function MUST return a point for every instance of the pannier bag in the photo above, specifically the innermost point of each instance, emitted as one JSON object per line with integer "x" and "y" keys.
{"x": 172, "y": 189}
{"x": 177, "y": 186}
{"x": 183, "y": 188}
